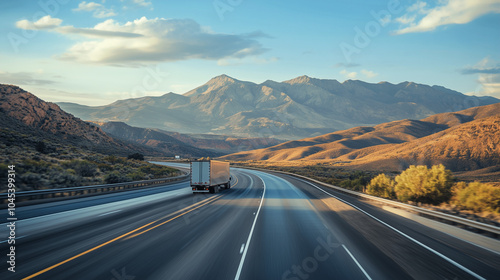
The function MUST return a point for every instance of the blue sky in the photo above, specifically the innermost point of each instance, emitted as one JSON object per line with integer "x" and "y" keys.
{"x": 96, "y": 52}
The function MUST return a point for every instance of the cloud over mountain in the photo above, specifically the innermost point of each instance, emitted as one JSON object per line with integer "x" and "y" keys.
{"x": 150, "y": 41}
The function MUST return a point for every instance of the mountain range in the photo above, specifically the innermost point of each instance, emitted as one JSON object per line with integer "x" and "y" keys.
{"x": 462, "y": 141}
{"x": 293, "y": 109}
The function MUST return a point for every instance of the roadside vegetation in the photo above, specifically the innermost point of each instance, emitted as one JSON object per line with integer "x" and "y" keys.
{"x": 433, "y": 187}
{"x": 42, "y": 165}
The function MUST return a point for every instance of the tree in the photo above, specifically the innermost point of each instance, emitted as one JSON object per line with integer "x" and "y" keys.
{"x": 381, "y": 186}
{"x": 476, "y": 196}
{"x": 41, "y": 147}
{"x": 421, "y": 184}
{"x": 136, "y": 156}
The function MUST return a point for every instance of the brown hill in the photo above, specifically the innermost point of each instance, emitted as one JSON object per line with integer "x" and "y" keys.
{"x": 34, "y": 112}
{"x": 463, "y": 140}
{"x": 23, "y": 111}
{"x": 469, "y": 146}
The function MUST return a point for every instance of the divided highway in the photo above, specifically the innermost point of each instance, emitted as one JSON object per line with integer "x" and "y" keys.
{"x": 268, "y": 226}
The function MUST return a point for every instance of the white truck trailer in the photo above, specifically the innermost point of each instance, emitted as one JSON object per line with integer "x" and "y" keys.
{"x": 209, "y": 176}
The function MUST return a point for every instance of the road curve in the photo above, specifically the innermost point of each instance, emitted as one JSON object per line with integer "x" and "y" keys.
{"x": 268, "y": 226}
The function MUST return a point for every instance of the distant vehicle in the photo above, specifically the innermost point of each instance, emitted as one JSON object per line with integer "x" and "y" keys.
{"x": 210, "y": 176}
{"x": 177, "y": 157}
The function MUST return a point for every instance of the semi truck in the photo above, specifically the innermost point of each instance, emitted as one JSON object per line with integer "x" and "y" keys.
{"x": 209, "y": 176}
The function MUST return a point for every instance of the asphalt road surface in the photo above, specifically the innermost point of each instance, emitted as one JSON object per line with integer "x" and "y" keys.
{"x": 267, "y": 226}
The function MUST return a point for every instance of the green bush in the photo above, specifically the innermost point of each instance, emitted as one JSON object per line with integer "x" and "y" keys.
{"x": 115, "y": 177}
{"x": 64, "y": 180}
{"x": 136, "y": 156}
{"x": 35, "y": 166}
{"x": 157, "y": 171}
{"x": 32, "y": 180}
{"x": 83, "y": 168}
{"x": 137, "y": 176}
{"x": 115, "y": 159}
{"x": 381, "y": 186}
{"x": 104, "y": 167}
{"x": 476, "y": 196}
{"x": 421, "y": 184}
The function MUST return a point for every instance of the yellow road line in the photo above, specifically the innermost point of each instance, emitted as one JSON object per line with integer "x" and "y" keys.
{"x": 169, "y": 220}
{"x": 204, "y": 202}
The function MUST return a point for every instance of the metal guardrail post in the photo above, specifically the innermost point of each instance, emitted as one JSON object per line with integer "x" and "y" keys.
{"x": 75, "y": 191}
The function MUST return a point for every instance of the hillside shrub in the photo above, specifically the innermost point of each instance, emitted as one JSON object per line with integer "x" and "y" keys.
{"x": 382, "y": 186}
{"x": 64, "y": 180}
{"x": 136, "y": 156}
{"x": 476, "y": 196}
{"x": 421, "y": 184}
{"x": 115, "y": 177}
{"x": 83, "y": 168}
{"x": 104, "y": 167}
{"x": 137, "y": 176}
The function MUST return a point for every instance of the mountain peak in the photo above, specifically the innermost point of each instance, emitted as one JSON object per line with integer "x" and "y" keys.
{"x": 304, "y": 79}
{"x": 215, "y": 82}
{"x": 222, "y": 79}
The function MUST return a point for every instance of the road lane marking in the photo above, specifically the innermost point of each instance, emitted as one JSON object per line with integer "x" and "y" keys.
{"x": 171, "y": 219}
{"x": 15, "y": 238}
{"x": 357, "y": 263}
{"x": 237, "y": 181}
{"x": 242, "y": 247}
{"x": 463, "y": 268}
{"x": 105, "y": 214}
{"x": 118, "y": 238}
{"x": 242, "y": 261}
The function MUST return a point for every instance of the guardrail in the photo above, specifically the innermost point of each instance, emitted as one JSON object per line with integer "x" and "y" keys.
{"x": 450, "y": 219}
{"x": 85, "y": 190}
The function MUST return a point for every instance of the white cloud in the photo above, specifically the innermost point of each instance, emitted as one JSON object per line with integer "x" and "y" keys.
{"x": 155, "y": 40}
{"x": 369, "y": 74}
{"x": 488, "y": 77}
{"x": 46, "y": 22}
{"x": 353, "y": 75}
{"x": 99, "y": 10}
{"x": 138, "y": 3}
{"x": 24, "y": 78}
{"x": 88, "y": 7}
{"x": 142, "y": 3}
{"x": 420, "y": 18}
{"x": 349, "y": 75}
{"x": 54, "y": 24}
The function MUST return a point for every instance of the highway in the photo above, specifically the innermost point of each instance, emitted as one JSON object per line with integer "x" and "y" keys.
{"x": 268, "y": 226}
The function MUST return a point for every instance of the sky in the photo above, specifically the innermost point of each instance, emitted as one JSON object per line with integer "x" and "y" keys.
{"x": 97, "y": 52}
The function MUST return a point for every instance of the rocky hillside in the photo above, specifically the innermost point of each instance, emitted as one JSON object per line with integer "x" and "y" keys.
{"x": 26, "y": 117}
{"x": 294, "y": 109}
{"x": 464, "y": 140}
